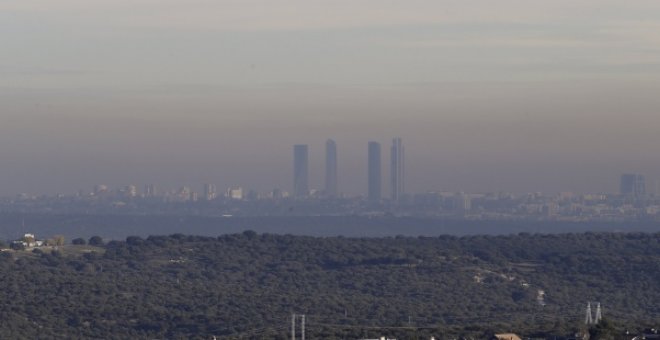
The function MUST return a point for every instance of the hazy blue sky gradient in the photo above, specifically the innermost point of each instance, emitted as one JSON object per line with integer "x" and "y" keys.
{"x": 487, "y": 95}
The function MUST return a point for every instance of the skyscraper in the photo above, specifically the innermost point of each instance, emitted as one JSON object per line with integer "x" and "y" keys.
{"x": 149, "y": 190}
{"x": 397, "y": 169}
{"x": 210, "y": 192}
{"x": 632, "y": 185}
{"x": 462, "y": 203}
{"x": 375, "y": 180}
{"x": 331, "y": 168}
{"x": 300, "y": 170}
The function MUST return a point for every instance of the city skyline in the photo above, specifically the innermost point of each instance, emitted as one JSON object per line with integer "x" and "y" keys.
{"x": 635, "y": 184}
{"x": 517, "y": 96}
{"x": 629, "y": 185}
{"x": 632, "y": 204}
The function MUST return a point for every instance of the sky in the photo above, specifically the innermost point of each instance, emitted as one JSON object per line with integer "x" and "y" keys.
{"x": 510, "y": 95}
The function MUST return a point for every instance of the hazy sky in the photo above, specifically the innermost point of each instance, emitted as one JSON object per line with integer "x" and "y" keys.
{"x": 513, "y": 95}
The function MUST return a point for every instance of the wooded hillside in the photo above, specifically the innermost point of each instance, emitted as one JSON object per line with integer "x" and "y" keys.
{"x": 248, "y": 285}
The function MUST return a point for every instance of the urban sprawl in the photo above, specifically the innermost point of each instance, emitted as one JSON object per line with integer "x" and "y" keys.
{"x": 632, "y": 202}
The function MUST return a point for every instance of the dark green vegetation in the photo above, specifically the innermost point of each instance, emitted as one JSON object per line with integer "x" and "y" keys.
{"x": 247, "y": 285}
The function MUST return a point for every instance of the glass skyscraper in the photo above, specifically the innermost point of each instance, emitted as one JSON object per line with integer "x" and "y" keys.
{"x": 331, "y": 183}
{"x": 632, "y": 185}
{"x": 397, "y": 170}
{"x": 374, "y": 190}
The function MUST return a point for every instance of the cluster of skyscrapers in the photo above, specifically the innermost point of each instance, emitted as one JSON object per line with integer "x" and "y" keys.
{"x": 374, "y": 170}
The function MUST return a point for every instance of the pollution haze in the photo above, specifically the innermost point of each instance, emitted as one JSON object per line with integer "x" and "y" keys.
{"x": 510, "y": 95}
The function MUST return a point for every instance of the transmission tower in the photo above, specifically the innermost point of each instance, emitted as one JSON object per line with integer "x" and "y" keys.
{"x": 599, "y": 314}
{"x": 294, "y": 318}
{"x": 588, "y": 320}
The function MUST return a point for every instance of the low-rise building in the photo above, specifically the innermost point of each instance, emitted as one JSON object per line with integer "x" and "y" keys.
{"x": 505, "y": 336}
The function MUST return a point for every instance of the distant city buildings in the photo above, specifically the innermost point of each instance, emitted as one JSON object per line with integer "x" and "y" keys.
{"x": 210, "y": 192}
{"x": 462, "y": 204}
{"x": 632, "y": 203}
{"x": 235, "y": 193}
{"x": 397, "y": 170}
{"x": 374, "y": 172}
{"x": 301, "y": 186}
{"x": 493, "y": 206}
{"x": 300, "y": 171}
{"x": 277, "y": 194}
{"x": 129, "y": 191}
{"x": 331, "y": 182}
{"x": 149, "y": 190}
{"x": 194, "y": 196}
{"x": 100, "y": 189}
{"x": 183, "y": 194}
{"x": 632, "y": 185}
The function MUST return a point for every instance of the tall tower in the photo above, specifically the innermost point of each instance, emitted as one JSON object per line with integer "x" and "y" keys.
{"x": 599, "y": 314}
{"x": 588, "y": 320}
{"x": 149, "y": 190}
{"x": 397, "y": 169}
{"x": 374, "y": 174}
{"x": 632, "y": 185}
{"x": 210, "y": 192}
{"x": 300, "y": 171}
{"x": 331, "y": 168}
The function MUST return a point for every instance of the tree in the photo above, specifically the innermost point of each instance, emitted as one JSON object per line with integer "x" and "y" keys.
{"x": 28, "y": 239}
{"x": 604, "y": 330}
{"x": 79, "y": 241}
{"x": 59, "y": 240}
{"x": 17, "y": 246}
{"x": 250, "y": 234}
{"x": 95, "y": 241}
{"x": 134, "y": 240}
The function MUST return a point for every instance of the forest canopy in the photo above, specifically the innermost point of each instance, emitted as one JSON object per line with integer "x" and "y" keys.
{"x": 247, "y": 285}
